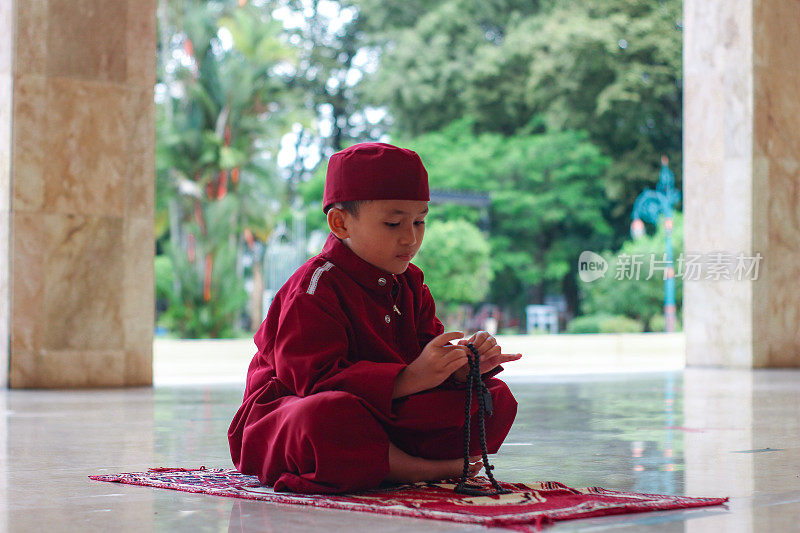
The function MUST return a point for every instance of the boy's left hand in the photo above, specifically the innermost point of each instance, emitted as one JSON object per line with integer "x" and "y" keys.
{"x": 489, "y": 351}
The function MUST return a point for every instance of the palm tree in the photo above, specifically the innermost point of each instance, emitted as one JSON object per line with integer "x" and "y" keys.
{"x": 222, "y": 109}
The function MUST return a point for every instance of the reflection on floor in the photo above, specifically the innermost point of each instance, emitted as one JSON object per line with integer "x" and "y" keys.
{"x": 698, "y": 432}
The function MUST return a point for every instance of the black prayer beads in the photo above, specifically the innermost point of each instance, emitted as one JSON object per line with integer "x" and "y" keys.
{"x": 474, "y": 381}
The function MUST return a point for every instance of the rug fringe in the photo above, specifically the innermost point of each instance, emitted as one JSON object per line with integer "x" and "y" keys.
{"x": 168, "y": 469}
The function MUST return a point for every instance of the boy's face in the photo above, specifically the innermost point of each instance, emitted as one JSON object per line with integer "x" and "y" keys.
{"x": 386, "y": 233}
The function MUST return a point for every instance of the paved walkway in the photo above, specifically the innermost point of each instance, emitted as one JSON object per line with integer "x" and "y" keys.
{"x": 226, "y": 360}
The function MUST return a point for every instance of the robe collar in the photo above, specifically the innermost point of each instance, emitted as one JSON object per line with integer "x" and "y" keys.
{"x": 369, "y": 276}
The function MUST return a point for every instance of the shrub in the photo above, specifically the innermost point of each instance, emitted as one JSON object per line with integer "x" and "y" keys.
{"x": 605, "y": 323}
{"x": 658, "y": 323}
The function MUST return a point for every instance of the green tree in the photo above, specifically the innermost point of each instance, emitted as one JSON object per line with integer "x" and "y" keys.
{"x": 455, "y": 260}
{"x": 546, "y": 203}
{"x": 641, "y": 299}
{"x": 611, "y": 68}
{"x": 426, "y": 91}
{"x": 332, "y": 59}
{"x": 210, "y": 297}
{"x": 220, "y": 112}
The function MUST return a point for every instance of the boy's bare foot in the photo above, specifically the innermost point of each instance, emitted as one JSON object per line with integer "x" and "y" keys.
{"x": 409, "y": 469}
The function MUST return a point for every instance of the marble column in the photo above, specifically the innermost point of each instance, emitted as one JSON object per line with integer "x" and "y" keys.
{"x": 741, "y": 180}
{"x": 81, "y": 191}
{"x": 6, "y": 80}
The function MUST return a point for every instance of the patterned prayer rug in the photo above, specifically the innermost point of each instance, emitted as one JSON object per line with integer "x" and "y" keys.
{"x": 526, "y": 508}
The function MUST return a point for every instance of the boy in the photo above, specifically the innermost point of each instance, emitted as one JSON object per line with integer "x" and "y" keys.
{"x": 355, "y": 381}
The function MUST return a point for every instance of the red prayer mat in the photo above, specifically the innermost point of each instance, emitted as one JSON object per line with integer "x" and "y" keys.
{"x": 526, "y": 508}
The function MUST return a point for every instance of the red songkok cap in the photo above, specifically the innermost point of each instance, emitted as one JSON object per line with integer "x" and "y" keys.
{"x": 375, "y": 171}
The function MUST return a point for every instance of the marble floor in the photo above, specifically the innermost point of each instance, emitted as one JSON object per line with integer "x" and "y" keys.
{"x": 695, "y": 432}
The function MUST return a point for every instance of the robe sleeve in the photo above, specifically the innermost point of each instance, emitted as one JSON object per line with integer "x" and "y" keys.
{"x": 428, "y": 326}
{"x": 311, "y": 355}
{"x": 493, "y": 372}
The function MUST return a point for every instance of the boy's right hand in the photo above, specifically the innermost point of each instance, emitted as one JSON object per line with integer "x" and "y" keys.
{"x": 434, "y": 364}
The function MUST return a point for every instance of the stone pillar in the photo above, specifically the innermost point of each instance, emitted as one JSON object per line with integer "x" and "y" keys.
{"x": 81, "y": 191}
{"x": 6, "y": 77}
{"x": 741, "y": 179}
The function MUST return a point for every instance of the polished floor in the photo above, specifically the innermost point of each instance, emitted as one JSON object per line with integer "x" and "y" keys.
{"x": 695, "y": 432}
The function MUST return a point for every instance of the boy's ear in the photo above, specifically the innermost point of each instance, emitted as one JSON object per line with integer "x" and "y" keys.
{"x": 337, "y": 222}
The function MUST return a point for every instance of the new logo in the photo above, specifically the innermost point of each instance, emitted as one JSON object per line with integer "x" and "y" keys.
{"x": 591, "y": 266}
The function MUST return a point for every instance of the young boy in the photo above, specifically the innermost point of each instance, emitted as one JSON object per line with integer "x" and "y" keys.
{"x": 355, "y": 381}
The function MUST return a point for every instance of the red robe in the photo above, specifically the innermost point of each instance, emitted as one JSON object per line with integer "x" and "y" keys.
{"x": 318, "y": 413}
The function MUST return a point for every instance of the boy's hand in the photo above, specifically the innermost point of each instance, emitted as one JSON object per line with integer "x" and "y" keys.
{"x": 489, "y": 352}
{"x": 436, "y": 363}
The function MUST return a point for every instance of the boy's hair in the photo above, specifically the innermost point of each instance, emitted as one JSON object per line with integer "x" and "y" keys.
{"x": 351, "y": 207}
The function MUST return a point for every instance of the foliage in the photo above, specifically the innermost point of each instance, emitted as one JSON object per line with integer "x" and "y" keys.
{"x": 546, "y": 201}
{"x": 311, "y": 193}
{"x": 641, "y": 299}
{"x": 659, "y": 322}
{"x": 455, "y": 260}
{"x": 332, "y": 58}
{"x": 219, "y": 115}
{"x": 557, "y": 110}
{"x": 604, "y": 323}
{"x": 611, "y": 68}
{"x": 425, "y": 92}
{"x": 197, "y": 307}
{"x": 188, "y": 315}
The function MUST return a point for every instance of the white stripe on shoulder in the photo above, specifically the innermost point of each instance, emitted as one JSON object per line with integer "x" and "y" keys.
{"x": 315, "y": 278}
